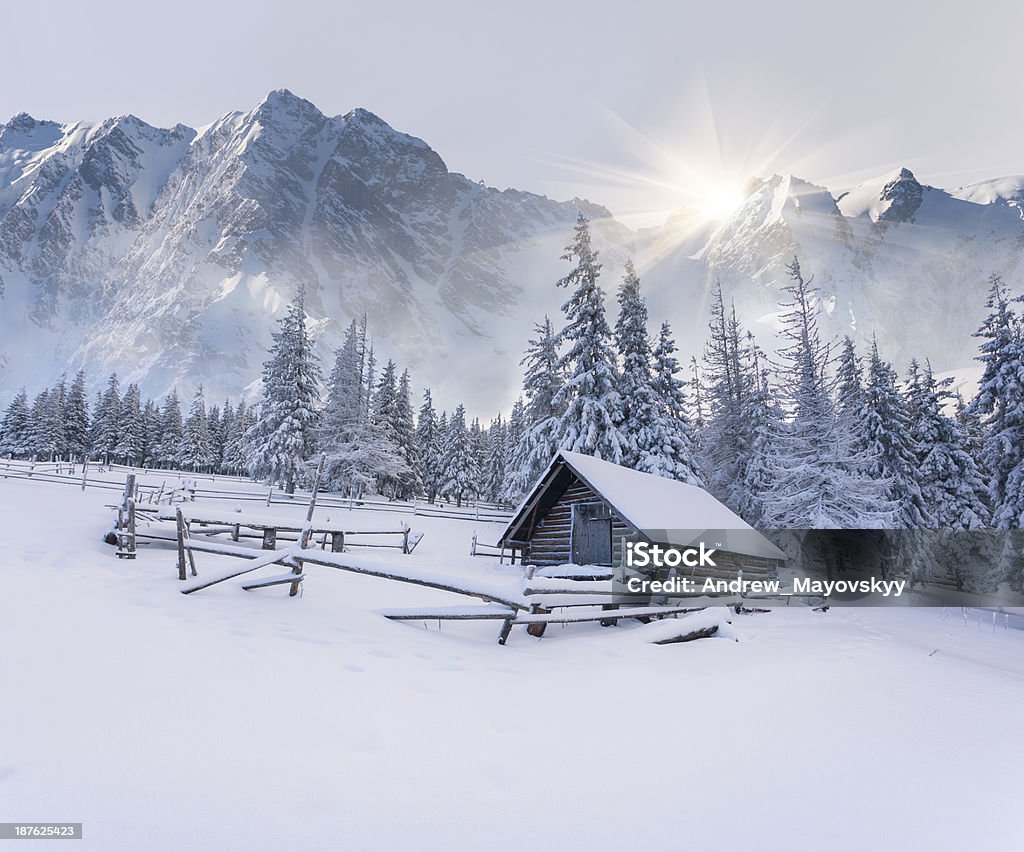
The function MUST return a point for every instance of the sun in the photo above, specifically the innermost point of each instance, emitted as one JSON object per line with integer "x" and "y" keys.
{"x": 717, "y": 198}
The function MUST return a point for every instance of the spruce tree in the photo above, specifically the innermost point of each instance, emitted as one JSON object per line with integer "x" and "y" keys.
{"x": 494, "y": 468}
{"x": 404, "y": 427}
{"x": 76, "y": 417}
{"x": 639, "y": 404}
{"x": 665, "y": 443}
{"x": 16, "y": 429}
{"x": 727, "y": 387}
{"x": 815, "y": 478}
{"x": 952, "y": 484}
{"x": 541, "y": 422}
{"x": 1000, "y": 404}
{"x": 428, "y": 447}
{"x": 196, "y": 454}
{"x": 589, "y": 402}
{"x": 284, "y": 436}
{"x": 106, "y": 421}
{"x": 131, "y": 438}
{"x": 169, "y": 446}
{"x": 458, "y": 476}
{"x": 890, "y": 448}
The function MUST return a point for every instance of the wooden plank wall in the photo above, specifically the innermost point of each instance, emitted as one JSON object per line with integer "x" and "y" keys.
{"x": 551, "y": 541}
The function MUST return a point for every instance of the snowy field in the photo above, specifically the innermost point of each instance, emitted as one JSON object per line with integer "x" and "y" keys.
{"x": 235, "y": 720}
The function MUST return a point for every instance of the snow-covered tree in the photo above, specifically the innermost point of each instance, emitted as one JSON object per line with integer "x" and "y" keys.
{"x": 890, "y": 449}
{"x": 76, "y": 417}
{"x": 665, "y": 443}
{"x": 283, "y": 437}
{"x": 815, "y": 478}
{"x": 458, "y": 476}
{"x": 636, "y": 387}
{"x": 404, "y": 428}
{"x": 16, "y": 429}
{"x": 195, "y": 454}
{"x": 540, "y": 423}
{"x": 236, "y": 445}
{"x": 169, "y": 445}
{"x": 588, "y": 401}
{"x": 51, "y": 429}
{"x": 37, "y": 420}
{"x": 952, "y": 485}
{"x": 1000, "y": 404}
{"x": 131, "y": 437}
{"x": 151, "y": 422}
{"x": 494, "y": 468}
{"x": 727, "y": 386}
{"x": 358, "y": 444}
{"x": 428, "y": 447}
{"x": 850, "y": 394}
{"x": 106, "y": 422}
{"x": 762, "y": 419}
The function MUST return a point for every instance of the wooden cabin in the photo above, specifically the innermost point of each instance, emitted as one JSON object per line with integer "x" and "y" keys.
{"x": 584, "y": 511}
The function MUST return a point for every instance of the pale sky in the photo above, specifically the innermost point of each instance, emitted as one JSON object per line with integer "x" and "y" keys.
{"x": 643, "y": 106}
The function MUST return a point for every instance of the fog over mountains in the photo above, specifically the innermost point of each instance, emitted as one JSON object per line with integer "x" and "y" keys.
{"x": 168, "y": 254}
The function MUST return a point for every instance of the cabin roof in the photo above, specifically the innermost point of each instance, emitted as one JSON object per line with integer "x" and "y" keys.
{"x": 666, "y": 510}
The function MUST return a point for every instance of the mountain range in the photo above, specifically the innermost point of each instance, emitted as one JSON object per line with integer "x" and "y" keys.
{"x": 169, "y": 253}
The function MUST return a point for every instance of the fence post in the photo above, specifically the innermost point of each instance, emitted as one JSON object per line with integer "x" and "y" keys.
{"x": 85, "y": 470}
{"x": 181, "y": 542}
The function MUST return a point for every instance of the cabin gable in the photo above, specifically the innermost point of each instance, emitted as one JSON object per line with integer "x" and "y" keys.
{"x": 574, "y": 525}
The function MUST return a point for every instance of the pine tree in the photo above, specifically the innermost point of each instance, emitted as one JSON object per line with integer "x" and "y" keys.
{"x": 589, "y": 402}
{"x": 16, "y": 429}
{"x": 636, "y": 388}
{"x": 815, "y": 481}
{"x": 131, "y": 438}
{"x": 728, "y": 386}
{"x": 850, "y": 394}
{"x": 38, "y": 424}
{"x": 236, "y": 448}
{"x": 106, "y": 421}
{"x": 1000, "y": 403}
{"x": 359, "y": 448}
{"x": 515, "y": 430}
{"x": 666, "y": 442}
{"x": 76, "y": 417}
{"x": 494, "y": 467}
{"x": 541, "y": 424}
{"x": 952, "y": 485}
{"x": 196, "y": 454}
{"x": 215, "y": 428}
{"x": 762, "y": 419}
{"x": 227, "y": 431}
{"x": 457, "y": 473}
{"x": 404, "y": 427}
{"x": 169, "y": 445}
{"x": 428, "y": 447}
{"x": 891, "y": 452}
{"x": 52, "y": 430}
{"x": 283, "y": 437}
{"x": 151, "y": 431}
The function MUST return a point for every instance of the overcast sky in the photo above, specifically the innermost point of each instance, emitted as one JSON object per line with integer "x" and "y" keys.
{"x": 630, "y": 103}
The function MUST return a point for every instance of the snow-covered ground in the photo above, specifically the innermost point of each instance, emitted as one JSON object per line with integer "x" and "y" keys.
{"x": 235, "y": 720}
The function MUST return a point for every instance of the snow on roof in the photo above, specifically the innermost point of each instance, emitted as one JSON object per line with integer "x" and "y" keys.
{"x": 656, "y": 503}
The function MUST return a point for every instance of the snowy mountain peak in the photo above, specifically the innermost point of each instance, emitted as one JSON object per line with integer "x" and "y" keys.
{"x": 900, "y": 198}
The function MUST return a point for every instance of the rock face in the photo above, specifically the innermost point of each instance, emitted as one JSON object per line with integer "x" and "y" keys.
{"x": 168, "y": 254}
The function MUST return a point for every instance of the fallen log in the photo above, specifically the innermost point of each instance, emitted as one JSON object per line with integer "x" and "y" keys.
{"x": 689, "y": 636}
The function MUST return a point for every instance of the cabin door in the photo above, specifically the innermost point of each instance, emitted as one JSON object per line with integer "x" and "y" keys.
{"x": 591, "y": 534}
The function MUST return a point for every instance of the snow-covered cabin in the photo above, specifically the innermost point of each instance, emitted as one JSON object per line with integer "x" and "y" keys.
{"x": 584, "y": 510}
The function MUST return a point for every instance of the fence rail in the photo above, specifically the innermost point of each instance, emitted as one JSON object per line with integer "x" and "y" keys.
{"x": 181, "y": 484}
